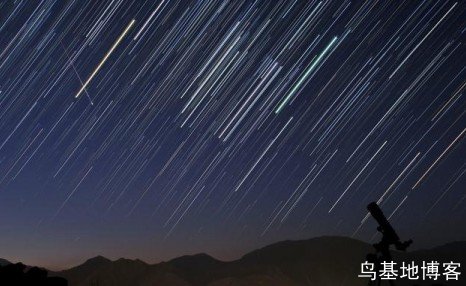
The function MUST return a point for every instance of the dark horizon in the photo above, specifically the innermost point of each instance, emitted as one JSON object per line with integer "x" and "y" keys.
{"x": 240, "y": 255}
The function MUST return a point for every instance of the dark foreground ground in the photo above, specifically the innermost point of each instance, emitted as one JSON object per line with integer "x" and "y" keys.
{"x": 324, "y": 261}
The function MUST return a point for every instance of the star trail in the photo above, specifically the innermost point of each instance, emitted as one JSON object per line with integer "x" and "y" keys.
{"x": 154, "y": 128}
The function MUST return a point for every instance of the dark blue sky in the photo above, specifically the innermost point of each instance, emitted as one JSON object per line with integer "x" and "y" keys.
{"x": 152, "y": 129}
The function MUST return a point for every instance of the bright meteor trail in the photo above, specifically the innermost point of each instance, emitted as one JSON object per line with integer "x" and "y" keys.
{"x": 306, "y": 75}
{"x": 102, "y": 62}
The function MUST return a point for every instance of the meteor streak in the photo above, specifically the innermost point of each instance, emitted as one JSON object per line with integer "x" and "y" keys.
{"x": 102, "y": 62}
{"x": 306, "y": 75}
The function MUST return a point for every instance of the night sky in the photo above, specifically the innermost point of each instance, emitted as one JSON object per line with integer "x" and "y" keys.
{"x": 153, "y": 129}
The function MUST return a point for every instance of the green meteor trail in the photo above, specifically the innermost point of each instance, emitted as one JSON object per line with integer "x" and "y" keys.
{"x": 306, "y": 75}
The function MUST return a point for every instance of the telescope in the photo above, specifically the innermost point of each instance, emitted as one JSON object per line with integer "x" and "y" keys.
{"x": 389, "y": 235}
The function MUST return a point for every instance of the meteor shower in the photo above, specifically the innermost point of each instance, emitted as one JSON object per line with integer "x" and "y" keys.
{"x": 231, "y": 142}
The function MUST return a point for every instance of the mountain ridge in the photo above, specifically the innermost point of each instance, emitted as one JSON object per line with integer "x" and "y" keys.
{"x": 101, "y": 257}
{"x": 326, "y": 260}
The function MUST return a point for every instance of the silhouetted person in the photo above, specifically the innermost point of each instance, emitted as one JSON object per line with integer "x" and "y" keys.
{"x": 15, "y": 275}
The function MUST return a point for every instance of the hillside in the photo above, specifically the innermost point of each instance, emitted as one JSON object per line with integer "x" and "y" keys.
{"x": 319, "y": 261}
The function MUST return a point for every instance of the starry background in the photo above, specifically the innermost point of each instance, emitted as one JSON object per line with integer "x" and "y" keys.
{"x": 222, "y": 126}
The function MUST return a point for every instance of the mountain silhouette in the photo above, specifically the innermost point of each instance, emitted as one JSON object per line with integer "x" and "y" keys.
{"x": 21, "y": 275}
{"x": 4, "y": 262}
{"x": 322, "y": 261}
